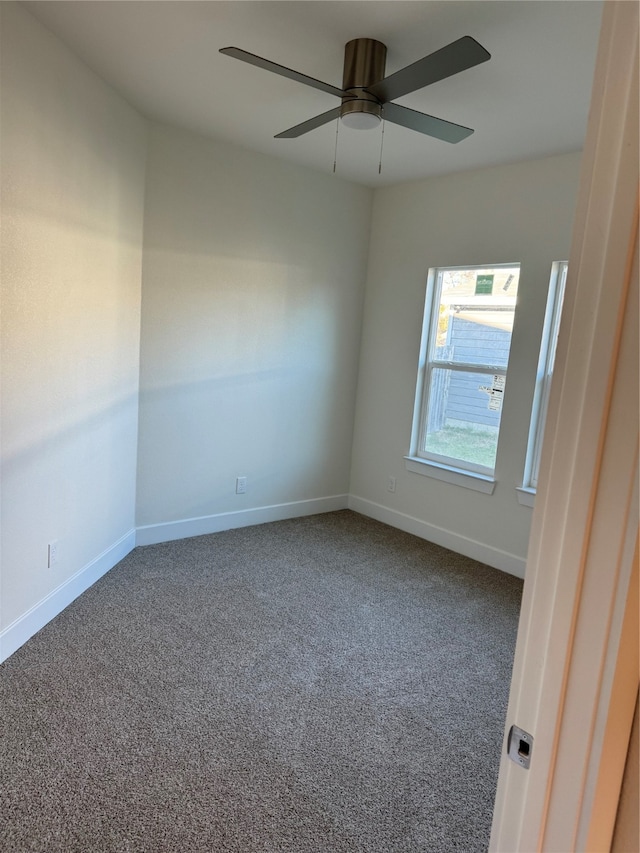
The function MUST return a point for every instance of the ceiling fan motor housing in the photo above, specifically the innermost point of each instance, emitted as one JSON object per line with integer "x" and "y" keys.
{"x": 364, "y": 61}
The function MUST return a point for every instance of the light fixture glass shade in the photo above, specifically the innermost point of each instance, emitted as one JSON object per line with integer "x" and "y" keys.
{"x": 361, "y": 121}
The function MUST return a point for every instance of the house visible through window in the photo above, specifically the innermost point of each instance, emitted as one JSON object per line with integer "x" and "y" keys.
{"x": 462, "y": 371}
{"x": 543, "y": 377}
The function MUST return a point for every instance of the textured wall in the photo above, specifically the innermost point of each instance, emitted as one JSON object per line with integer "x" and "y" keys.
{"x": 73, "y": 157}
{"x": 517, "y": 213}
{"x": 253, "y": 282}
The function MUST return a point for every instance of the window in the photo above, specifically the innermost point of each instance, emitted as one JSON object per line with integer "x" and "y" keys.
{"x": 543, "y": 378}
{"x": 462, "y": 371}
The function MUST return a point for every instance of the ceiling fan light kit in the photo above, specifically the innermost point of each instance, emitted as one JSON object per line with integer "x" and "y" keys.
{"x": 361, "y": 116}
{"x": 367, "y": 95}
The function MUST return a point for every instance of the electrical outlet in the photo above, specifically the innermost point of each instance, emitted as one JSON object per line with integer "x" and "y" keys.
{"x": 391, "y": 484}
{"x": 52, "y": 553}
{"x": 241, "y": 485}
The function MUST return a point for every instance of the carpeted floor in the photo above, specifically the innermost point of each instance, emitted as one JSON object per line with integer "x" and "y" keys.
{"x": 323, "y": 684}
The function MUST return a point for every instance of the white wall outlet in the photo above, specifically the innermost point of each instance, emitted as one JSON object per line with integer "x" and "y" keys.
{"x": 241, "y": 485}
{"x": 391, "y": 484}
{"x": 52, "y": 553}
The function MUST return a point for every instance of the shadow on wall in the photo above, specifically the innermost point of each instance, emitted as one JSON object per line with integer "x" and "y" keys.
{"x": 247, "y": 368}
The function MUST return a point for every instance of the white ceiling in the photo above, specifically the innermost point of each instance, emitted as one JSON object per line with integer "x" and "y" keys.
{"x": 530, "y": 100}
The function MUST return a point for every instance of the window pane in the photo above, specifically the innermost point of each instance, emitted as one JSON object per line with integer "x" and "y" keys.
{"x": 546, "y": 361}
{"x": 463, "y": 416}
{"x": 475, "y": 315}
{"x": 469, "y": 314}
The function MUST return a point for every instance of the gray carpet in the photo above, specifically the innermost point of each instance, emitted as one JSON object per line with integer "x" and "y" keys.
{"x": 321, "y": 684}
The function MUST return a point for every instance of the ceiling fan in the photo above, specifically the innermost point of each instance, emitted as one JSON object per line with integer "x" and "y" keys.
{"x": 367, "y": 95}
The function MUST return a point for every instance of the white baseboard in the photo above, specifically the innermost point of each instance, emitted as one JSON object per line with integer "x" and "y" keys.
{"x": 152, "y": 534}
{"x": 16, "y": 634}
{"x": 503, "y": 560}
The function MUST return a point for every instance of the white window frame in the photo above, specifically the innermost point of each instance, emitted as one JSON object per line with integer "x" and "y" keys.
{"x": 449, "y": 469}
{"x": 544, "y": 375}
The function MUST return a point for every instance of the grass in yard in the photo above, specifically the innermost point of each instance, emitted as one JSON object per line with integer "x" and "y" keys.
{"x": 472, "y": 445}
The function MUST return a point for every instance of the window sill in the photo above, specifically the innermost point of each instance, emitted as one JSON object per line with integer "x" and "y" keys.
{"x": 526, "y": 496}
{"x": 455, "y": 476}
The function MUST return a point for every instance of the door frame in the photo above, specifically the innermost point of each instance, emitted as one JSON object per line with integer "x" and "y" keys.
{"x": 576, "y": 633}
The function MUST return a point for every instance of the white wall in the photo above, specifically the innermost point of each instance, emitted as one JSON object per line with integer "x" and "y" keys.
{"x": 253, "y": 282}
{"x": 73, "y": 157}
{"x": 254, "y": 340}
{"x": 521, "y": 212}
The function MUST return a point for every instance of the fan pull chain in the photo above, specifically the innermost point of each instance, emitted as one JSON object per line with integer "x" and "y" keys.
{"x": 381, "y": 145}
{"x": 335, "y": 152}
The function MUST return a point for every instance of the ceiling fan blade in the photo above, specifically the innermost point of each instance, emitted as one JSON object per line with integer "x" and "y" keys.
{"x": 455, "y": 57}
{"x": 311, "y": 124}
{"x": 252, "y": 59}
{"x": 423, "y": 123}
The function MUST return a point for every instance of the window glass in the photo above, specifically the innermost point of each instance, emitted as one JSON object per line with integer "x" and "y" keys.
{"x": 462, "y": 424}
{"x": 475, "y": 310}
{"x": 544, "y": 373}
{"x": 462, "y": 375}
